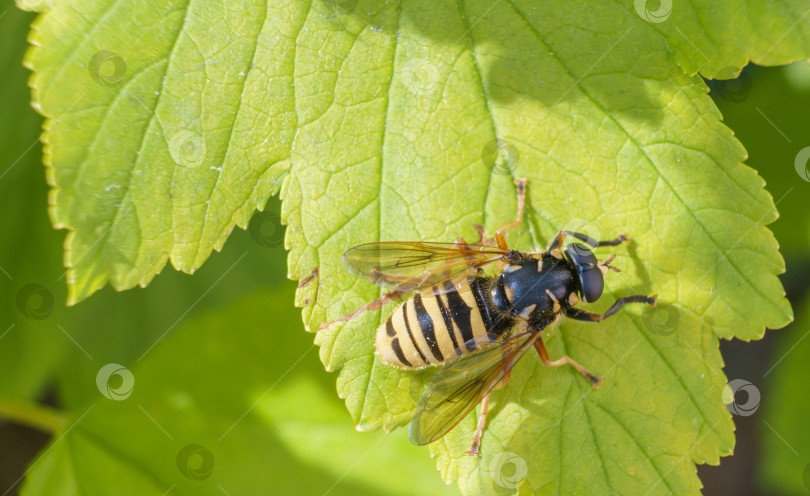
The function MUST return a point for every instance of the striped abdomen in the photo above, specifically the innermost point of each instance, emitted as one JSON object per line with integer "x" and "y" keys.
{"x": 429, "y": 329}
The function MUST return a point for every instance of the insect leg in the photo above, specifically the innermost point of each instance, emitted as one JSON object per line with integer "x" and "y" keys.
{"x": 482, "y": 418}
{"x": 565, "y": 359}
{"x": 577, "y": 314}
{"x": 500, "y": 234}
{"x": 607, "y": 266}
{"x": 463, "y": 244}
{"x": 479, "y": 430}
{"x": 521, "y": 201}
{"x": 483, "y": 239}
{"x": 372, "y": 305}
{"x": 560, "y": 237}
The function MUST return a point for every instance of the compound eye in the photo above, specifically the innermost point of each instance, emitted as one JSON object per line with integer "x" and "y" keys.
{"x": 592, "y": 283}
{"x": 590, "y": 277}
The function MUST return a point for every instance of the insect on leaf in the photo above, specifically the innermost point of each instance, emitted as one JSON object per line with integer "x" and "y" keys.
{"x": 386, "y": 121}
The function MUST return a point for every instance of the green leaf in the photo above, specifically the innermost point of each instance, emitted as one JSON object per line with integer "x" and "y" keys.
{"x": 607, "y": 130}
{"x": 41, "y": 341}
{"x": 380, "y": 118}
{"x": 717, "y": 38}
{"x": 257, "y": 411}
{"x": 168, "y": 124}
{"x": 160, "y": 144}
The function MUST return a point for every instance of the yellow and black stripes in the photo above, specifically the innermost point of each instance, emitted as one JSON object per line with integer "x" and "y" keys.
{"x": 425, "y": 322}
{"x": 432, "y": 327}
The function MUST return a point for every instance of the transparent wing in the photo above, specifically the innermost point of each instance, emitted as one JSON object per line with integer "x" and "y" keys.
{"x": 460, "y": 385}
{"x": 406, "y": 266}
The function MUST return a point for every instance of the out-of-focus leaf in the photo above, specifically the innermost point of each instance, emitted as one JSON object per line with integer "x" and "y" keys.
{"x": 785, "y": 455}
{"x": 232, "y": 402}
{"x": 764, "y": 108}
{"x": 30, "y": 248}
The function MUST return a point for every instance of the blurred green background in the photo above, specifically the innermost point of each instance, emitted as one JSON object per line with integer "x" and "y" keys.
{"x": 219, "y": 390}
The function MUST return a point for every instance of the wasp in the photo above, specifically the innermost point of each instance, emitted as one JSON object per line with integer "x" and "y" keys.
{"x": 474, "y": 325}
